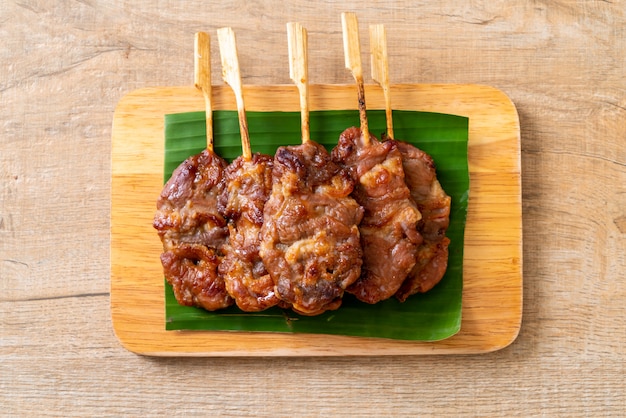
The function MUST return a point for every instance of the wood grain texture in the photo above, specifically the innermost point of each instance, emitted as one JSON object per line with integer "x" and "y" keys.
{"x": 65, "y": 65}
{"x": 492, "y": 265}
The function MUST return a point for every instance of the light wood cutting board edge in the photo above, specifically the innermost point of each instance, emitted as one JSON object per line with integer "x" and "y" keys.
{"x": 492, "y": 293}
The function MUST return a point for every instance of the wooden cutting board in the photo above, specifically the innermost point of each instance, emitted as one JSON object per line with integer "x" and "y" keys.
{"x": 492, "y": 265}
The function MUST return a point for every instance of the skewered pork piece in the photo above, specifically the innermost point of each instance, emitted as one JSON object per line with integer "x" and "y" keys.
{"x": 434, "y": 204}
{"x": 310, "y": 238}
{"x": 248, "y": 183}
{"x": 388, "y": 230}
{"x": 420, "y": 175}
{"x": 188, "y": 223}
{"x": 248, "y": 186}
{"x": 193, "y": 232}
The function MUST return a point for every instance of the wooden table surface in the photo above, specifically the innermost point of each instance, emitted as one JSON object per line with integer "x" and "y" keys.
{"x": 65, "y": 65}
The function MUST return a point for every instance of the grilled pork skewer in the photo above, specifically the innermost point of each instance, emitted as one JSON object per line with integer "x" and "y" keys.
{"x": 310, "y": 238}
{"x": 426, "y": 191}
{"x": 389, "y": 234}
{"x": 248, "y": 183}
{"x": 434, "y": 205}
{"x": 188, "y": 223}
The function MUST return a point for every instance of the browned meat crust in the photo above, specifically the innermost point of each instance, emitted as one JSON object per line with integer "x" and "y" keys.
{"x": 434, "y": 204}
{"x": 193, "y": 232}
{"x": 191, "y": 269}
{"x": 310, "y": 238}
{"x": 388, "y": 230}
{"x": 248, "y": 186}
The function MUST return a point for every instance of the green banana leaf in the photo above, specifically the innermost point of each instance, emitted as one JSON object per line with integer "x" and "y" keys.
{"x": 425, "y": 317}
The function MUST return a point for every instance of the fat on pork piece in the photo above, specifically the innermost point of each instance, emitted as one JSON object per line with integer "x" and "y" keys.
{"x": 434, "y": 205}
{"x": 193, "y": 232}
{"x": 248, "y": 184}
{"x": 310, "y": 238}
{"x": 389, "y": 235}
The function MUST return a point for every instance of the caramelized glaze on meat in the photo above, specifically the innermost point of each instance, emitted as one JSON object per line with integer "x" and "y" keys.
{"x": 248, "y": 186}
{"x": 388, "y": 230}
{"x": 434, "y": 204}
{"x": 310, "y": 239}
{"x": 193, "y": 232}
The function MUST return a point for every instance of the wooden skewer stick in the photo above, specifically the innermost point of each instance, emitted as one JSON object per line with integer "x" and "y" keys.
{"x": 380, "y": 68}
{"x": 352, "y": 52}
{"x": 298, "y": 72}
{"x": 202, "y": 79}
{"x": 232, "y": 76}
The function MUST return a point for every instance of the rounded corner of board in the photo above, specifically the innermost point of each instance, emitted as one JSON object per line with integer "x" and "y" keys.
{"x": 501, "y": 95}
{"x": 508, "y": 339}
